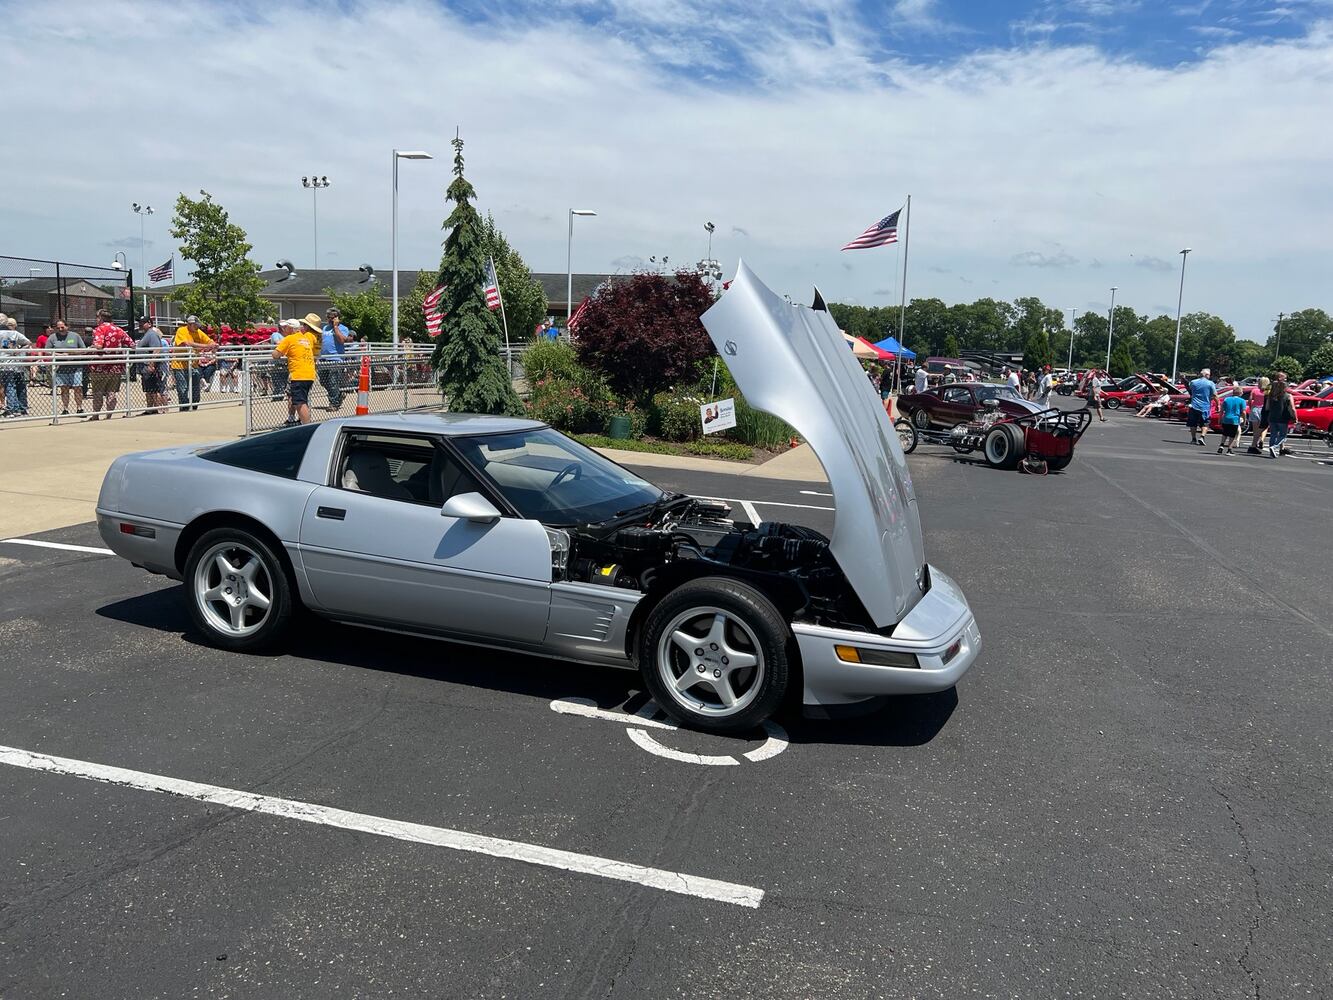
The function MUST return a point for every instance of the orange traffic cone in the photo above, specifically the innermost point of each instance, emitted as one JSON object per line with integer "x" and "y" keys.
{"x": 363, "y": 390}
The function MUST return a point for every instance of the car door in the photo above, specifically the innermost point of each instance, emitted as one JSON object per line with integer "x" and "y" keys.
{"x": 375, "y": 545}
{"x": 956, "y": 405}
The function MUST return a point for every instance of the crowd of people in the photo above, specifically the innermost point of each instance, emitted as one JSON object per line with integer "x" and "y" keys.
{"x": 1269, "y": 410}
{"x": 87, "y": 369}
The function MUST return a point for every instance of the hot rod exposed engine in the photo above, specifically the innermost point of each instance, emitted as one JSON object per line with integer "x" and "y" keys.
{"x": 683, "y": 537}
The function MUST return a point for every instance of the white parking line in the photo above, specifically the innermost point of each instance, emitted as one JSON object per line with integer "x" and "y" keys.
{"x": 417, "y": 833}
{"x": 37, "y": 543}
{"x": 815, "y": 493}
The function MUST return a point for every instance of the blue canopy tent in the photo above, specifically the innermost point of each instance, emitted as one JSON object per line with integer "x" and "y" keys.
{"x": 891, "y": 345}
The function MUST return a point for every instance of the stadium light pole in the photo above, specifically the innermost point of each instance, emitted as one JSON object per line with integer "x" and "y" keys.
{"x": 142, "y": 211}
{"x": 1109, "y": 331}
{"x": 400, "y": 154}
{"x": 314, "y": 183}
{"x": 1175, "y": 358}
{"x": 569, "y": 263}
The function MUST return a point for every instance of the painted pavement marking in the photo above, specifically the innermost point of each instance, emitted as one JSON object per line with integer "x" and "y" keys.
{"x": 38, "y": 543}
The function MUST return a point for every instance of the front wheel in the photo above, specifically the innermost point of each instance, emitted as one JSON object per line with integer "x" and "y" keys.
{"x": 239, "y": 594}
{"x": 714, "y": 655}
{"x": 921, "y": 419}
{"x": 1111, "y": 404}
{"x": 907, "y": 435}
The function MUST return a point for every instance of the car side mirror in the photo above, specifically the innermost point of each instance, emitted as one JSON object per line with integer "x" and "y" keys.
{"x": 470, "y": 507}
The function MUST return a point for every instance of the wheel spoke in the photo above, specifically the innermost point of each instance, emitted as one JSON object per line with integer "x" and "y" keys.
{"x": 257, "y": 599}
{"x": 688, "y": 679}
{"x": 248, "y": 571}
{"x": 237, "y": 613}
{"x": 739, "y": 660}
{"x": 215, "y": 594}
{"x": 689, "y": 643}
{"x": 717, "y": 634}
{"x": 223, "y": 566}
{"x": 722, "y": 686}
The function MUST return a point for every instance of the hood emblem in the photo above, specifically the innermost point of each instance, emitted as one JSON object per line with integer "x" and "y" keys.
{"x": 730, "y": 347}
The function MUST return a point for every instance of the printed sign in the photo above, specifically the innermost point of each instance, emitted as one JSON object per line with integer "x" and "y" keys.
{"x": 718, "y": 416}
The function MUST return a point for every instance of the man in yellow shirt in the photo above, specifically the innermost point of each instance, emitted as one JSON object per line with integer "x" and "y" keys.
{"x": 299, "y": 347}
{"x": 185, "y": 362}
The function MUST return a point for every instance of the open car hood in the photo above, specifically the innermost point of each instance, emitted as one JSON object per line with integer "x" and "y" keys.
{"x": 792, "y": 362}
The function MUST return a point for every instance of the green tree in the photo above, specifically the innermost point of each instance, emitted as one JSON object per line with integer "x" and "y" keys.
{"x": 411, "y": 320}
{"x": 1249, "y": 358}
{"x": 1303, "y": 333}
{"x": 928, "y": 323}
{"x": 1292, "y": 366}
{"x": 1037, "y": 350}
{"x": 1211, "y": 341}
{"x": 1090, "y": 340}
{"x": 1158, "y": 341}
{"x": 1122, "y": 362}
{"x": 472, "y": 374}
{"x": 226, "y": 283}
{"x": 1321, "y": 362}
{"x": 951, "y": 347}
{"x": 366, "y": 313}
{"x": 524, "y": 298}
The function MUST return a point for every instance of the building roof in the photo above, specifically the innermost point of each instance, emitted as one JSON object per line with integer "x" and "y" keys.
{"x": 68, "y": 286}
{"x": 9, "y": 302}
{"x": 316, "y": 283}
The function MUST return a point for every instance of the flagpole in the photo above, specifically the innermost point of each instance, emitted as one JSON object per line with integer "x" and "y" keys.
{"x": 902, "y": 309}
{"x": 509, "y": 358}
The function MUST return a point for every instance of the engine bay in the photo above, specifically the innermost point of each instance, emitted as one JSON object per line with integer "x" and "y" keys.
{"x": 681, "y": 537}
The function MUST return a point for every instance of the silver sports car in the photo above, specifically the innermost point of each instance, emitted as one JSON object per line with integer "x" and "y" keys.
{"x": 505, "y": 533}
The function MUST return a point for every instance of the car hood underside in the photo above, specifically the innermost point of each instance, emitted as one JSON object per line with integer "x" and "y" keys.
{"x": 791, "y": 361}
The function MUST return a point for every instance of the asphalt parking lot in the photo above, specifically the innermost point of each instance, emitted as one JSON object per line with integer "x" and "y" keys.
{"x": 1128, "y": 795}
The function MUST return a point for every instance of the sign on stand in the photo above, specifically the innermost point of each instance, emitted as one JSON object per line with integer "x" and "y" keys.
{"x": 718, "y": 416}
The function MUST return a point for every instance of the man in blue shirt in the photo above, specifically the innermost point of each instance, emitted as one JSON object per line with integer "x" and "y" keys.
{"x": 1233, "y": 415}
{"x": 1202, "y": 393}
{"x": 331, "y": 367}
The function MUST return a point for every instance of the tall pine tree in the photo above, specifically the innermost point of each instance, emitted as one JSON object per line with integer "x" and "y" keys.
{"x": 467, "y": 361}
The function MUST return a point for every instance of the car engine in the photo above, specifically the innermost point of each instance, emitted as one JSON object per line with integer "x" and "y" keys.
{"x": 687, "y": 537}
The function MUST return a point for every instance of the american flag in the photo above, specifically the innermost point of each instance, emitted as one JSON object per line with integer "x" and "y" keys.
{"x": 163, "y": 273}
{"x": 491, "y": 286}
{"x": 430, "y": 305}
{"x": 882, "y": 233}
{"x": 573, "y": 323}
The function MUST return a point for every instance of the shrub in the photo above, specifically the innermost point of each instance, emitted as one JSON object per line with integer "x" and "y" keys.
{"x": 546, "y": 358}
{"x": 760, "y": 429}
{"x": 602, "y": 441}
{"x": 638, "y": 416}
{"x": 675, "y": 417}
{"x": 643, "y": 332}
{"x": 568, "y": 405}
{"x": 1294, "y": 369}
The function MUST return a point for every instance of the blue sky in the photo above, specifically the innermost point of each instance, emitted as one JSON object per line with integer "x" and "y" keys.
{"x": 1052, "y": 147}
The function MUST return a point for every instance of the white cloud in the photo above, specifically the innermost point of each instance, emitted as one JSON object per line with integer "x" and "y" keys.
{"x": 1001, "y": 149}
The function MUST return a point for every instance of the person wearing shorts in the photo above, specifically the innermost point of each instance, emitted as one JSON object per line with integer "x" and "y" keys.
{"x": 298, "y": 349}
{"x": 1202, "y": 393}
{"x": 69, "y": 378}
{"x": 104, "y": 378}
{"x": 1233, "y": 414}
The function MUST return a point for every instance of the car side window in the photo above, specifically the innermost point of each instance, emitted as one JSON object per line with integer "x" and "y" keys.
{"x": 957, "y": 394}
{"x": 400, "y": 467}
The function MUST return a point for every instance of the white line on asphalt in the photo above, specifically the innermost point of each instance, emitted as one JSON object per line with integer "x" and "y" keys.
{"x": 751, "y": 513}
{"x": 417, "y": 833}
{"x": 815, "y": 493}
{"x": 56, "y": 545}
{"x": 589, "y": 710}
{"x": 645, "y": 741}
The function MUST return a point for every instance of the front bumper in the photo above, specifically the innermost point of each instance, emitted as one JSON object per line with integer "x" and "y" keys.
{"x": 941, "y": 618}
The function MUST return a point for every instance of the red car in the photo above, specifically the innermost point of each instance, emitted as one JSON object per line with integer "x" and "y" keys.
{"x": 1314, "y": 414}
{"x": 959, "y": 403}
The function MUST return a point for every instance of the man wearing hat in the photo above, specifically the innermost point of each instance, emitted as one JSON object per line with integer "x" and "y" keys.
{"x": 333, "y": 346}
{"x": 185, "y": 362}
{"x": 153, "y": 376}
{"x": 298, "y": 349}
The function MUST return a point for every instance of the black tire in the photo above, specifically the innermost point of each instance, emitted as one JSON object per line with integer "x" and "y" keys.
{"x": 921, "y": 420}
{"x": 907, "y": 435}
{"x": 1003, "y": 446}
{"x": 268, "y": 579}
{"x": 1059, "y": 462}
{"x": 1111, "y": 404}
{"x": 696, "y": 605}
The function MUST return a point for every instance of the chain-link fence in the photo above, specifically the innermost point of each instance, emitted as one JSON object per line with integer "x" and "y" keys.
{"x": 40, "y": 292}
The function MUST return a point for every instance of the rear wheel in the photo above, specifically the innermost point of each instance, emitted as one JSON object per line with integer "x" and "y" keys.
{"x": 239, "y": 594}
{"x": 1111, "y": 404}
{"x": 1003, "y": 446}
{"x": 714, "y": 655}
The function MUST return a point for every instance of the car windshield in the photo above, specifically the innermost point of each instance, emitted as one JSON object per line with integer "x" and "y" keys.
{"x": 985, "y": 392}
{"x": 549, "y": 478}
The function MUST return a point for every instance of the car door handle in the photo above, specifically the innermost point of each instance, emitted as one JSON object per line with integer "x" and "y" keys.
{"x": 332, "y": 513}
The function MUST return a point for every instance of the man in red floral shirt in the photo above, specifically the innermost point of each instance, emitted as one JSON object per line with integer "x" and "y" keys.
{"x": 106, "y": 376}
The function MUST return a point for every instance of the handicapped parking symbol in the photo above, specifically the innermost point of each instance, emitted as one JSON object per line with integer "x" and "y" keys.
{"x": 638, "y": 724}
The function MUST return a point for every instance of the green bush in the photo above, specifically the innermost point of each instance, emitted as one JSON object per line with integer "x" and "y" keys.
{"x": 759, "y": 429}
{"x": 570, "y": 405}
{"x": 721, "y": 449}
{"x": 1292, "y": 366}
{"x": 675, "y": 416}
{"x": 547, "y": 358}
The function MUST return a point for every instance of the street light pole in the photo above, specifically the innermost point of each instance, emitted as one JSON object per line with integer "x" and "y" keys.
{"x": 1180, "y": 297}
{"x": 314, "y": 183}
{"x": 141, "y": 211}
{"x": 569, "y": 263}
{"x": 1110, "y": 330}
{"x": 1277, "y": 351}
{"x": 411, "y": 154}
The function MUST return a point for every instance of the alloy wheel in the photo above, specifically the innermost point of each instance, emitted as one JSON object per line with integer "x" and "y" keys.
{"x": 233, "y": 589}
{"x": 710, "y": 662}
